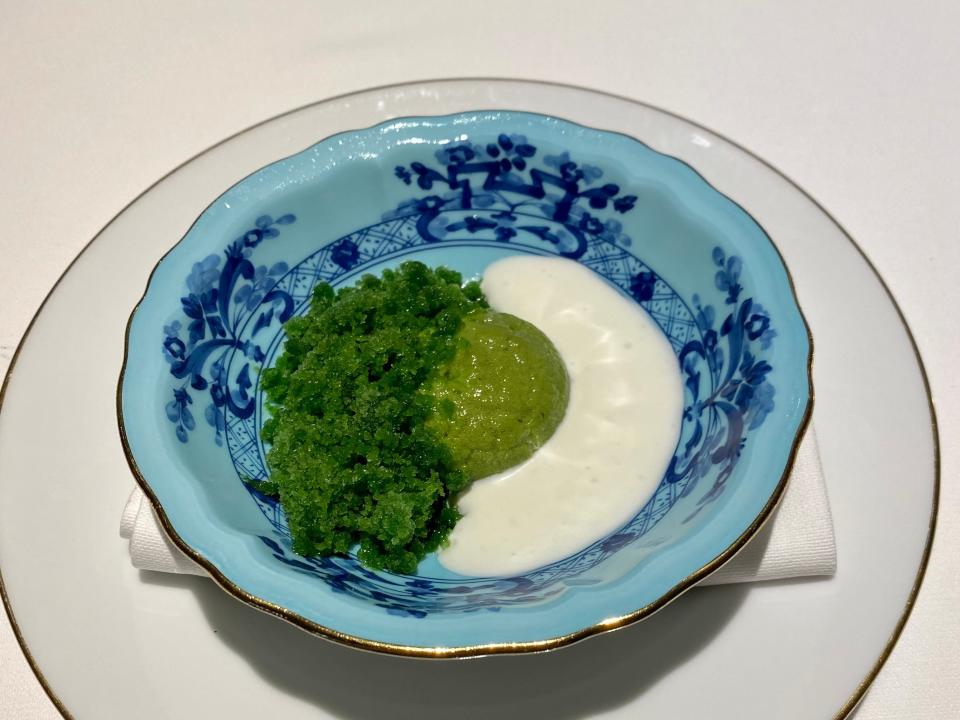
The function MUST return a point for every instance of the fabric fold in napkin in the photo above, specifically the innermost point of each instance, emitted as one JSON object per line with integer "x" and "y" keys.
{"x": 798, "y": 541}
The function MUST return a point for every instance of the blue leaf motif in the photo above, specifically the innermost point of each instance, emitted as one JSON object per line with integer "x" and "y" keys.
{"x": 191, "y": 306}
{"x": 705, "y": 317}
{"x": 557, "y": 161}
{"x": 263, "y": 321}
{"x": 254, "y": 300}
{"x": 242, "y": 294}
{"x": 734, "y": 265}
{"x": 722, "y": 280}
{"x": 243, "y": 379}
{"x": 625, "y": 204}
{"x": 197, "y": 330}
{"x": 591, "y": 173}
{"x": 217, "y": 328}
{"x": 272, "y": 544}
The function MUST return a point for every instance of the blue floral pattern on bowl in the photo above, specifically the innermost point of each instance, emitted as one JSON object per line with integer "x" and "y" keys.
{"x": 503, "y": 190}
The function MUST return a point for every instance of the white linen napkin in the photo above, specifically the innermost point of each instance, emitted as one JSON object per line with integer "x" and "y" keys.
{"x": 797, "y": 541}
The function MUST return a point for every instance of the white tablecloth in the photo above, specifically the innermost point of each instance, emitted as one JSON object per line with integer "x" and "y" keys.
{"x": 857, "y": 101}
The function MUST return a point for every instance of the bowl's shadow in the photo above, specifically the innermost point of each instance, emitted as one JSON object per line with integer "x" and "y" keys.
{"x": 598, "y": 674}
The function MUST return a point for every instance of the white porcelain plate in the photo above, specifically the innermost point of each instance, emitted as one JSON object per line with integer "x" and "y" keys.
{"x": 113, "y": 642}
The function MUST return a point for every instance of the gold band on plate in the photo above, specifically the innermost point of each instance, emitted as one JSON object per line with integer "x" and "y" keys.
{"x": 537, "y": 646}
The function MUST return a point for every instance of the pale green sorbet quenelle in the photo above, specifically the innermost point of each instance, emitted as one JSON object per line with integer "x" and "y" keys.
{"x": 501, "y": 397}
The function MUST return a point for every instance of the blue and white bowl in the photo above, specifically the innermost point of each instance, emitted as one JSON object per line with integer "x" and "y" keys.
{"x": 462, "y": 191}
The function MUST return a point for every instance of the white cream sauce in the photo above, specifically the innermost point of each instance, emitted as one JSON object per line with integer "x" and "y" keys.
{"x": 608, "y": 454}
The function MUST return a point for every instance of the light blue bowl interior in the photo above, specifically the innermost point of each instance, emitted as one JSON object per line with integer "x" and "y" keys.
{"x": 463, "y": 191}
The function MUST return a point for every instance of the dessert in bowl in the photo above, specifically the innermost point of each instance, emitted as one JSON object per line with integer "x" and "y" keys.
{"x": 495, "y": 197}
